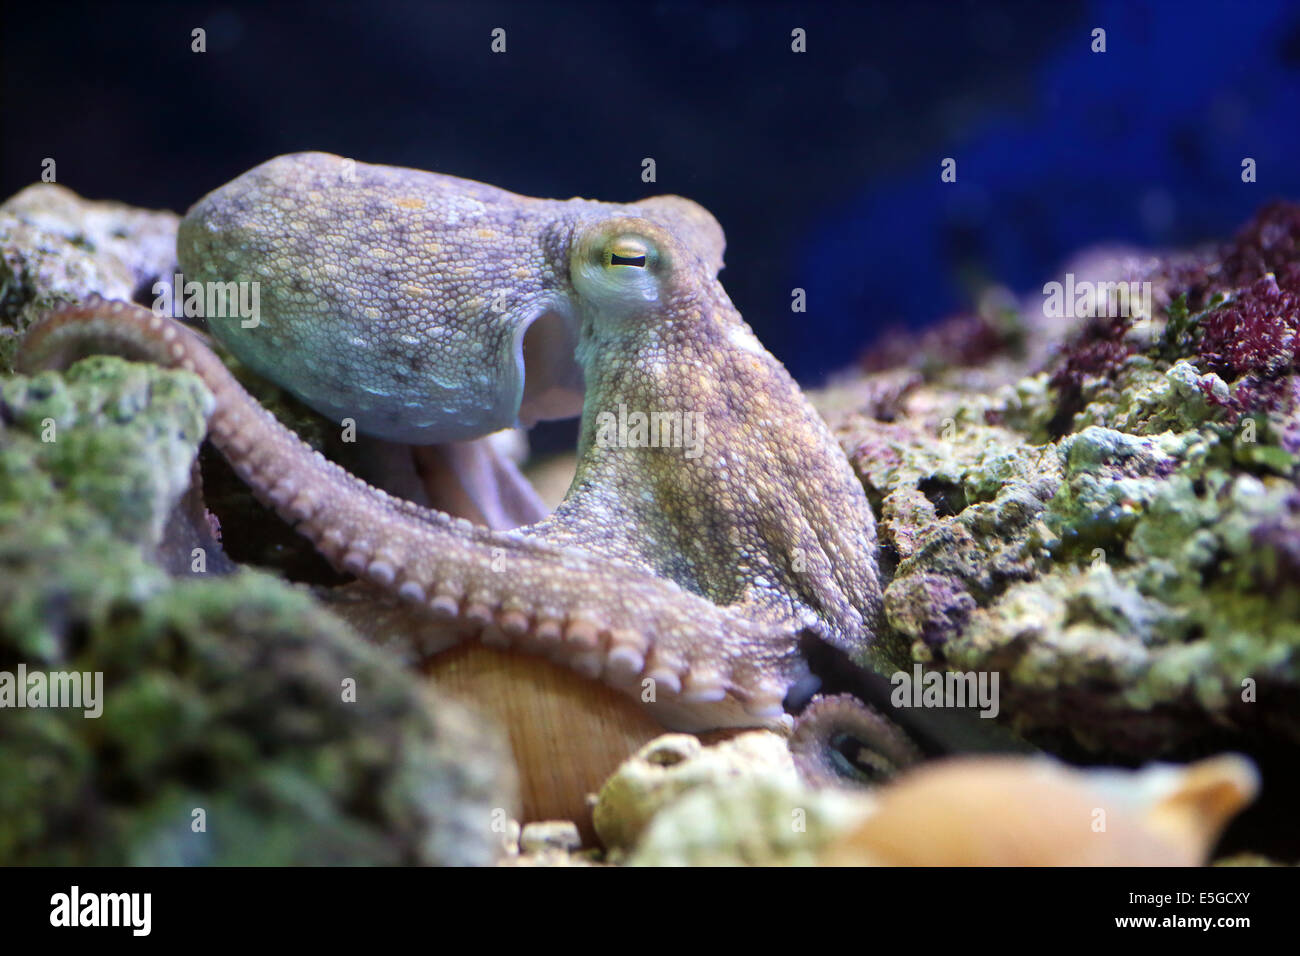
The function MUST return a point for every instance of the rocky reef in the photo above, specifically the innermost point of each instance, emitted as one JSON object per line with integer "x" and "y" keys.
{"x": 1104, "y": 511}
{"x": 235, "y": 720}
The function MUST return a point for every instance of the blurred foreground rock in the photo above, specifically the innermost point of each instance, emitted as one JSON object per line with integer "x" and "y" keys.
{"x": 239, "y": 723}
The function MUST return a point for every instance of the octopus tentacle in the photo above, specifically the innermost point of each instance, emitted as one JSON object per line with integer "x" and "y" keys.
{"x": 605, "y": 618}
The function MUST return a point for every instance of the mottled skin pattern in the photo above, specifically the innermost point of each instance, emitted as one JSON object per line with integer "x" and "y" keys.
{"x": 399, "y": 298}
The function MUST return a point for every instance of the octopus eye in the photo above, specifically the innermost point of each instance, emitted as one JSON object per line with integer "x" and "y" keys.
{"x": 628, "y": 251}
{"x": 856, "y": 760}
{"x": 619, "y": 268}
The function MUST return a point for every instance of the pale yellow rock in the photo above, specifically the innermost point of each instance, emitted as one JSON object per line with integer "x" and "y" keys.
{"x": 751, "y": 822}
{"x": 674, "y": 764}
{"x": 549, "y": 835}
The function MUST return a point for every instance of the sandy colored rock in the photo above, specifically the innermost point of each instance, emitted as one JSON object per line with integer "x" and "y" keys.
{"x": 674, "y": 764}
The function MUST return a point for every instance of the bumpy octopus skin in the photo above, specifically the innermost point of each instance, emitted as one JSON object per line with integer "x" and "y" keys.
{"x": 695, "y": 575}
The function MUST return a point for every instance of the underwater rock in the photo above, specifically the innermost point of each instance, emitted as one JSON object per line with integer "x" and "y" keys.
{"x": 970, "y": 811}
{"x": 238, "y": 722}
{"x": 56, "y": 247}
{"x": 1111, "y": 522}
{"x": 549, "y": 843}
{"x": 549, "y": 835}
{"x": 672, "y": 765}
{"x": 754, "y": 822}
{"x": 110, "y": 441}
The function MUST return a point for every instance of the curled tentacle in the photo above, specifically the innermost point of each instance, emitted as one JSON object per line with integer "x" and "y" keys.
{"x": 708, "y": 664}
{"x": 839, "y": 740}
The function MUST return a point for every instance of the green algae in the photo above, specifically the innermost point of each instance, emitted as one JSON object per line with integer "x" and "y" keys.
{"x": 241, "y": 723}
{"x": 1123, "y": 547}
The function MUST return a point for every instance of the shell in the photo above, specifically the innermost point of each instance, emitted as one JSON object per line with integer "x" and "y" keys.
{"x": 995, "y": 811}
{"x": 568, "y": 733}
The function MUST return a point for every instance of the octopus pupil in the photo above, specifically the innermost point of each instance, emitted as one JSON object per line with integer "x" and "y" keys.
{"x": 854, "y": 759}
{"x": 617, "y": 260}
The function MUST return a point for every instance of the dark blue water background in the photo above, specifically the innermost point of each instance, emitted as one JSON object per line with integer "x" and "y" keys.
{"x": 823, "y": 167}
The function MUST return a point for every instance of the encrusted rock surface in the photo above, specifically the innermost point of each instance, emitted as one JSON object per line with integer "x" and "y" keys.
{"x": 750, "y": 822}
{"x": 240, "y": 722}
{"x": 1105, "y": 511}
{"x": 674, "y": 764}
{"x": 56, "y": 247}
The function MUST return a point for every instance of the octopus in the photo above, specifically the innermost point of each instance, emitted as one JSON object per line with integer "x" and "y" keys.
{"x": 713, "y": 523}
